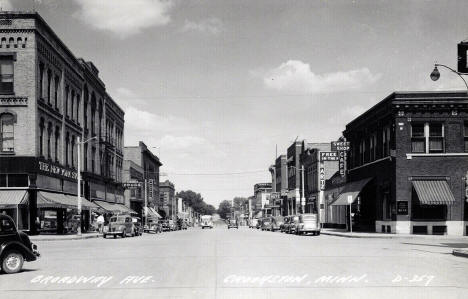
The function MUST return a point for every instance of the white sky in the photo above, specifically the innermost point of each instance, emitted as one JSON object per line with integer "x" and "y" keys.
{"x": 217, "y": 84}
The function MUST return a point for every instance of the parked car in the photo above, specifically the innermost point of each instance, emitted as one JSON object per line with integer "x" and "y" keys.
{"x": 120, "y": 225}
{"x": 152, "y": 227}
{"x": 137, "y": 226}
{"x": 266, "y": 224}
{"x": 253, "y": 223}
{"x": 206, "y": 221}
{"x": 259, "y": 223}
{"x": 276, "y": 222}
{"x": 293, "y": 220}
{"x": 284, "y": 226}
{"x": 308, "y": 223}
{"x": 183, "y": 225}
{"x": 15, "y": 247}
{"x": 164, "y": 225}
{"x": 172, "y": 225}
{"x": 232, "y": 223}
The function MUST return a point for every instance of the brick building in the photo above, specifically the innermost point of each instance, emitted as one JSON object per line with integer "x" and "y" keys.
{"x": 294, "y": 178}
{"x": 262, "y": 192}
{"x": 142, "y": 164}
{"x": 408, "y": 164}
{"x": 168, "y": 199}
{"x": 49, "y": 98}
{"x": 281, "y": 175}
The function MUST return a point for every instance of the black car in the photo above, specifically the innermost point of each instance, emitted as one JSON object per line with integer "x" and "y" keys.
{"x": 15, "y": 247}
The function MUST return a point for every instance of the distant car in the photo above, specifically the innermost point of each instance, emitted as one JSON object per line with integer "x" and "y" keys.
{"x": 253, "y": 223}
{"x": 172, "y": 225}
{"x": 152, "y": 227}
{"x": 232, "y": 223}
{"x": 164, "y": 225}
{"x": 308, "y": 223}
{"x": 276, "y": 222}
{"x": 183, "y": 225}
{"x": 15, "y": 247}
{"x": 137, "y": 226}
{"x": 120, "y": 225}
{"x": 284, "y": 226}
{"x": 259, "y": 223}
{"x": 266, "y": 224}
{"x": 293, "y": 220}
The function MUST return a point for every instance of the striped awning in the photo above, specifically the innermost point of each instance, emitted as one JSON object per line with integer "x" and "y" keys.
{"x": 114, "y": 207}
{"x": 350, "y": 189}
{"x": 151, "y": 213}
{"x": 13, "y": 198}
{"x": 433, "y": 192}
{"x": 62, "y": 201}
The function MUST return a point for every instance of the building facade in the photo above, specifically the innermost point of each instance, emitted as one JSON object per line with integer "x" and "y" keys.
{"x": 281, "y": 174}
{"x": 49, "y": 100}
{"x": 262, "y": 193}
{"x": 168, "y": 199}
{"x": 408, "y": 164}
{"x": 293, "y": 203}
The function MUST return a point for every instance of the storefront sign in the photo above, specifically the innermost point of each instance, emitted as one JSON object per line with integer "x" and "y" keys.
{"x": 341, "y": 163}
{"x": 275, "y": 195}
{"x": 322, "y": 178}
{"x": 57, "y": 170}
{"x": 131, "y": 185}
{"x": 150, "y": 188}
{"x": 328, "y": 156}
{"x": 402, "y": 207}
{"x": 340, "y": 146}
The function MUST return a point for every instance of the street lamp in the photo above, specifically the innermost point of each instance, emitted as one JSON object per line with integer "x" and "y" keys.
{"x": 79, "y": 144}
{"x": 435, "y": 75}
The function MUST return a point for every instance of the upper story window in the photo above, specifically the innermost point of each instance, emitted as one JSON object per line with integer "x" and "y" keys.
{"x": 6, "y": 74}
{"x": 427, "y": 138}
{"x": 385, "y": 142}
{"x": 465, "y": 133}
{"x": 418, "y": 139}
{"x": 7, "y": 135}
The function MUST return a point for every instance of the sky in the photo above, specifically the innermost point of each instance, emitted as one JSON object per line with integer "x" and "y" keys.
{"x": 215, "y": 87}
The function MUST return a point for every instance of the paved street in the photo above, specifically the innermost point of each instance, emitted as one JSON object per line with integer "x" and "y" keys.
{"x": 242, "y": 263}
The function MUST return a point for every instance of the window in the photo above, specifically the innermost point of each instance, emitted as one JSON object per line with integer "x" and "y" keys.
{"x": 6, "y": 227}
{"x": 66, "y": 100}
{"x": 85, "y": 114}
{"x": 466, "y": 136}
{"x": 93, "y": 159}
{"x": 67, "y": 145}
{"x": 56, "y": 149}
{"x": 41, "y": 80}
{"x": 6, "y": 74}
{"x": 73, "y": 151}
{"x": 56, "y": 91}
{"x": 72, "y": 104}
{"x": 85, "y": 157}
{"x": 385, "y": 142}
{"x": 14, "y": 180}
{"x": 418, "y": 140}
{"x": 78, "y": 108}
{"x": 41, "y": 138}
{"x": 7, "y": 135}
{"x": 436, "y": 138}
{"x": 49, "y": 135}
{"x": 49, "y": 83}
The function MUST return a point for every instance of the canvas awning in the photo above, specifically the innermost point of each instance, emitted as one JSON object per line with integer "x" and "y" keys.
{"x": 151, "y": 213}
{"x": 13, "y": 198}
{"x": 114, "y": 207}
{"x": 350, "y": 189}
{"x": 433, "y": 192}
{"x": 62, "y": 201}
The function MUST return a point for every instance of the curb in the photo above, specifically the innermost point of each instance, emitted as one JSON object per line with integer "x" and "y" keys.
{"x": 391, "y": 236}
{"x": 460, "y": 252}
{"x": 32, "y": 238}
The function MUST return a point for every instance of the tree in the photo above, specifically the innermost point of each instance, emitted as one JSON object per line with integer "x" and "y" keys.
{"x": 195, "y": 200}
{"x": 224, "y": 209}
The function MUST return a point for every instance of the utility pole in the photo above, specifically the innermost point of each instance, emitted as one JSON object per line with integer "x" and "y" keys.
{"x": 302, "y": 194}
{"x": 146, "y": 203}
{"x": 78, "y": 143}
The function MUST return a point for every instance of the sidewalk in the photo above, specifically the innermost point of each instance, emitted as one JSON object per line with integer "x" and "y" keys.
{"x": 64, "y": 237}
{"x": 346, "y": 234}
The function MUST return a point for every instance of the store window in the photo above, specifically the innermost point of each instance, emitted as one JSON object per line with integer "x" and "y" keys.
{"x": 7, "y": 135}
{"x": 427, "y": 212}
{"x": 418, "y": 139}
{"x": 6, "y": 74}
{"x": 14, "y": 180}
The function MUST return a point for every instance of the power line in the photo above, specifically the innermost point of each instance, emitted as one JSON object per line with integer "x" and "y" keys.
{"x": 206, "y": 173}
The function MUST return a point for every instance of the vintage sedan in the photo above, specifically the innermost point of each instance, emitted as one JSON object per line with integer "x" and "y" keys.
{"x": 276, "y": 222}
{"x": 120, "y": 225}
{"x": 308, "y": 223}
{"x": 293, "y": 221}
{"x": 15, "y": 247}
{"x": 232, "y": 223}
{"x": 284, "y": 227}
{"x": 266, "y": 223}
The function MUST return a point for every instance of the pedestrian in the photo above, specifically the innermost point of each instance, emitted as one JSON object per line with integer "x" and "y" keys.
{"x": 100, "y": 222}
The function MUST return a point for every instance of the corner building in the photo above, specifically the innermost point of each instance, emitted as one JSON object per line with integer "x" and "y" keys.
{"x": 49, "y": 98}
{"x": 408, "y": 165}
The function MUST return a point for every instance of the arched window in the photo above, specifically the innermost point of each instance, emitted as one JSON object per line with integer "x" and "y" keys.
{"x": 7, "y": 135}
{"x": 49, "y": 135}
{"x": 41, "y": 138}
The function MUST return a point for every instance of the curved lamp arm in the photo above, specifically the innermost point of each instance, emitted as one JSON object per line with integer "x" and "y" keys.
{"x": 435, "y": 74}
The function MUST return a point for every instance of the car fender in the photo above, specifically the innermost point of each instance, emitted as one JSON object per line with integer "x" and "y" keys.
{"x": 27, "y": 253}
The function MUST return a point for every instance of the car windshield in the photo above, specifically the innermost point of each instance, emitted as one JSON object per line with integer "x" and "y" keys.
{"x": 113, "y": 219}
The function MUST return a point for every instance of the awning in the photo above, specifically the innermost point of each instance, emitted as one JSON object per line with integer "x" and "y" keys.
{"x": 351, "y": 189}
{"x": 13, "y": 198}
{"x": 151, "y": 213}
{"x": 114, "y": 207}
{"x": 62, "y": 201}
{"x": 433, "y": 192}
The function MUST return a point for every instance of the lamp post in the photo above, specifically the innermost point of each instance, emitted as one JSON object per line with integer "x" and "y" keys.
{"x": 79, "y": 144}
{"x": 435, "y": 75}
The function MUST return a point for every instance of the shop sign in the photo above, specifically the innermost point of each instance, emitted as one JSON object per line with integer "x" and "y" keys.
{"x": 275, "y": 195}
{"x": 49, "y": 168}
{"x": 322, "y": 178}
{"x": 150, "y": 188}
{"x": 131, "y": 185}
{"x": 402, "y": 207}
{"x": 340, "y": 146}
{"x": 328, "y": 156}
{"x": 341, "y": 163}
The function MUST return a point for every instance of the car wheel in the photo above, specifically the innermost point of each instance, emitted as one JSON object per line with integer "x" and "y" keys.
{"x": 12, "y": 262}
{"x": 124, "y": 234}
{"x": 115, "y": 236}
{"x": 318, "y": 233}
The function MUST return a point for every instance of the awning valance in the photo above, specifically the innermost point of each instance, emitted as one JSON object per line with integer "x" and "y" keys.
{"x": 13, "y": 198}
{"x": 62, "y": 201}
{"x": 433, "y": 192}
{"x": 350, "y": 189}
{"x": 151, "y": 213}
{"x": 114, "y": 207}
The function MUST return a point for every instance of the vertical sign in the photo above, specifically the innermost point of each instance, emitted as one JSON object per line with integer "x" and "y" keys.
{"x": 322, "y": 177}
{"x": 150, "y": 188}
{"x": 341, "y": 162}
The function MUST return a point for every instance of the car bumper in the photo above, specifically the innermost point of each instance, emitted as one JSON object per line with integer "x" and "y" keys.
{"x": 308, "y": 230}
{"x": 35, "y": 251}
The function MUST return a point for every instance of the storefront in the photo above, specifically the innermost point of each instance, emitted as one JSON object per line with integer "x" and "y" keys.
{"x": 14, "y": 203}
